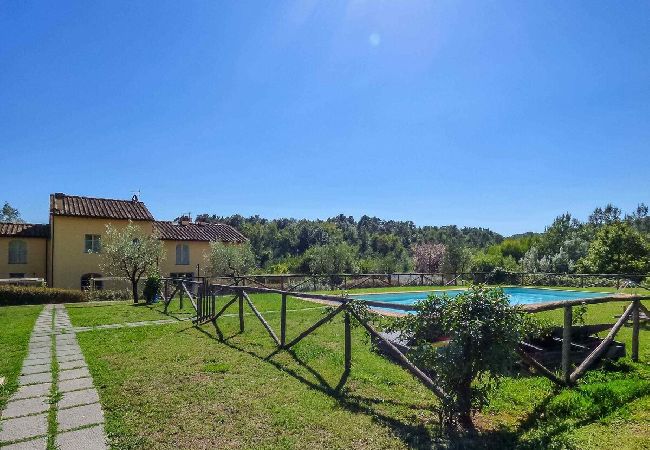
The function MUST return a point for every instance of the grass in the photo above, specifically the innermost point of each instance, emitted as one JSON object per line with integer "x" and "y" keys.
{"x": 176, "y": 386}
{"x": 16, "y": 323}
{"x": 54, "y": 397}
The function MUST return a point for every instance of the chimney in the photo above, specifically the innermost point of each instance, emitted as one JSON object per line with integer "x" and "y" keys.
{"x": 184, "y": 220}
{"x": 56, "y": 201}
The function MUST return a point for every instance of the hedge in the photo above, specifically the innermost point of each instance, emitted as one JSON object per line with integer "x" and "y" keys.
{"x": 28, "y": 295}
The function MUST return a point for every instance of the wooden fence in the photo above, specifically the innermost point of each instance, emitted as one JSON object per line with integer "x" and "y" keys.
{"x": 204, "y": 297}
{"x": 346, "y": 281}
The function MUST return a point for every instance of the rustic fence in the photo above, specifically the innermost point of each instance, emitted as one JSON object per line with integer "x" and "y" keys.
{"x": 204, "y": 297}
{"x": 347, "y": 281}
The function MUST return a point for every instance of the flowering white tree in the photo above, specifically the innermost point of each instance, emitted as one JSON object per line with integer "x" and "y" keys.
{"x": 428, "y": 257}
{"x": 131, "y": 253}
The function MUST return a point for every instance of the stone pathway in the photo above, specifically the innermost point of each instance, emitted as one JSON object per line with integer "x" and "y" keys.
{"x": 147, "y": 323}
{"x": 79, "y": 416}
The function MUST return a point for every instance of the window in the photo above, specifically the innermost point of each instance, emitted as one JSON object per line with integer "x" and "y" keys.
{"x": 93, "y": 243}
{"x": 182, "y": 254}
{"x": 88, "y": 282}
{"x": 16, "y": 275}
{"x": 17, "y": 252}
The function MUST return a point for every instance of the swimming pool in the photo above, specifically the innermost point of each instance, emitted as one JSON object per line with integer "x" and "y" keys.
{"x": 518, "y": 295}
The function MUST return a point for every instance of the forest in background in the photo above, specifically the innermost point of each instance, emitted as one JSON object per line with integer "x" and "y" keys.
{"x": 609, "y": 241}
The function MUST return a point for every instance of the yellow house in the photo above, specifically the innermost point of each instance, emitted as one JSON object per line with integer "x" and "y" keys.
{"x": 23, "y": 250}
{"x": 67, "y": 252}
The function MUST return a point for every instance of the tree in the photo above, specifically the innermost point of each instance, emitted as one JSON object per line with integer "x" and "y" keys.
{"x": 131, "y": 253}
{"x": 228, "y": 260}
{"x": 484, "y": 331}
{"x": 457, "y": 256}
{"x": 331, "y": 258}
{"x": 9, "y": 214}
{"x": 617, "y": 248}
{"x": 428, "y": 258}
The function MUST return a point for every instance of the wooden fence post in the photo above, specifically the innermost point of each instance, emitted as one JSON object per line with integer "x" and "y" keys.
{"x": 635, "y": 330}
{"x": 181, "y": 293}
{"x": 348, "y": 341}
{"x": 241, "y": 312}
{"x": 566, "y": 343}
{"x": 283, "y": 321}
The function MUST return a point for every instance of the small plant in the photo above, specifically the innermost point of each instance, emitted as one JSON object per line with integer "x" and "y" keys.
{"x": 151, "y": 288}
{"x": 579, "y": 313}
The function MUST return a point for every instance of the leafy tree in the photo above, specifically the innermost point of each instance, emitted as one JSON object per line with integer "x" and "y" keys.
{"x": 457, "y": 257}
{"x": 131, "y": 253}
{"x": 484, "y": 331}
{"x": 605, "y": 216}
{"x": 9, "y": 214}
{"x": 617, "y": 248}
{"x": 428, "y": 258}
{"x": 530, "y": 261}
{"x": 331, "y": 258}
{"x": 227, "y": 260}
{"x": 489, "y": 262}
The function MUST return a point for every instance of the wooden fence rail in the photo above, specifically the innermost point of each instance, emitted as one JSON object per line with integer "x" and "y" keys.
{"x": 203, "y": 296}
{"x": 346, "y": 281}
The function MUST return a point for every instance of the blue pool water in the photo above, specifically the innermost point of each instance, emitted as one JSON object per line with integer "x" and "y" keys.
{"x": 518, "y": 295}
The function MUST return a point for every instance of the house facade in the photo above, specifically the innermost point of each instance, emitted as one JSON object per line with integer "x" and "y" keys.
{"x": 67, "y": 251}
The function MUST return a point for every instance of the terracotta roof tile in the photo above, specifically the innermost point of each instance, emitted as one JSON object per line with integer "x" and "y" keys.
{"x": 105, "y": 208}
{"x": 27, "y": 230}
{"x": 198, "y": 232}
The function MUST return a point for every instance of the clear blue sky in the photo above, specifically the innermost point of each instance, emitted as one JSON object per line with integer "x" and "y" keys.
{"x": 497, "y": 114}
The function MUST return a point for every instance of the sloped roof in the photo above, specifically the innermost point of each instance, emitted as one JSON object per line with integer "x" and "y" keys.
{"x": 26, "y": 230}
{"x": 199, "y": 231}
{"x": 104, "y": 208}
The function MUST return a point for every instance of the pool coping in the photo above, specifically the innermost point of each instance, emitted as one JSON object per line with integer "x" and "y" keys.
{"x": 503, "y": 286}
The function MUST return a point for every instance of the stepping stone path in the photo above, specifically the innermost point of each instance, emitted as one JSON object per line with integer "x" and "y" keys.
{"x": 79, "y": 416}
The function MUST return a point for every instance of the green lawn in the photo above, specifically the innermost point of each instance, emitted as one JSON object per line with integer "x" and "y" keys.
{"x": 16, "y": 323}
{"x": 176, "y": 386}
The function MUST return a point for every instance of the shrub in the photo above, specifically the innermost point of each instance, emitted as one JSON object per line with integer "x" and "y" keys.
{"x": 484, "y": 331}
{"x": 151, "y": 288}
{"x": 108, "y": 295}
{"x": 24, "y": 295}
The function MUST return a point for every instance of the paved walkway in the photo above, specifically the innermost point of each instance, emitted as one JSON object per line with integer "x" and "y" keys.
{"x": 79, "y": 416}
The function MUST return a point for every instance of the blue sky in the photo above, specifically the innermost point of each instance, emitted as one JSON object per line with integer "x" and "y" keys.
{"x": 497, "y": 114}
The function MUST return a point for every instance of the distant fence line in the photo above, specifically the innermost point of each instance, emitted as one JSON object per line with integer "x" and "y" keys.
{"x": 346, "y": 281}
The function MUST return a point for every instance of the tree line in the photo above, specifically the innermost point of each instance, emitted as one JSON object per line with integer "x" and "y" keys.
{"x": 609, "y": 241}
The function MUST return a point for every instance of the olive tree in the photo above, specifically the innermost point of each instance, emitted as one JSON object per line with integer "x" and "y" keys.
{"x": 132, "y": 253}
{"x": 230, "y": 259}
{"x": 483, "y": 332}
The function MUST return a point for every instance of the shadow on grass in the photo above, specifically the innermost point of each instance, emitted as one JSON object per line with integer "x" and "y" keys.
{"x": 415, "y": 436}
{"x": 548, "y": 425}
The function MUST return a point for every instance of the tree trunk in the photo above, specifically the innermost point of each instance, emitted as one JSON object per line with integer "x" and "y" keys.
{"x": 465, "y": 405}
{"x": 134, "y": 289}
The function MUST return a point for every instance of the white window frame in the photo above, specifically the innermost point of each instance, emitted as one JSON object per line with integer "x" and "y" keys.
{"x": 17, "y": 252}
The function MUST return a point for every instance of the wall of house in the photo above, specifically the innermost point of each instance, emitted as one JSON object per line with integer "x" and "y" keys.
{"x": 69, "y": 262}
{"x": 36, "y": 258}
{"x": 198, "y": 255}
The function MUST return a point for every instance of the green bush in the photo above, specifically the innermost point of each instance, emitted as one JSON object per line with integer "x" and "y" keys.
{"x": 108, "y": 295}
{"x": 151, "y": 288}
{"x": 27, "y": 295}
